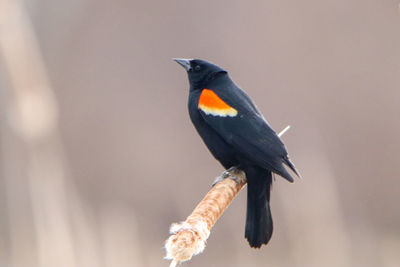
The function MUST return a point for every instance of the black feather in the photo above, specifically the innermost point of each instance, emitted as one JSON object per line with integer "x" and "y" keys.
{"x": 259, "y": 225}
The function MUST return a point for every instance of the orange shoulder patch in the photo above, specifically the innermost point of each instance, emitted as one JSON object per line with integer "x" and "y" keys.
{"x": 211, "y": 104}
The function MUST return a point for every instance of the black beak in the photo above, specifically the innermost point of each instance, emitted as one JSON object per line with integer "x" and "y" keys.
{"x": 183, "y": 62}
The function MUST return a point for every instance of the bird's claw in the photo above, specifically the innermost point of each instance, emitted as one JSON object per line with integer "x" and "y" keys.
{"x": 232, "y": 173}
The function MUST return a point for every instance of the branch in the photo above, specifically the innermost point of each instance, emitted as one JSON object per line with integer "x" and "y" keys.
{"x": 189, "y": 238}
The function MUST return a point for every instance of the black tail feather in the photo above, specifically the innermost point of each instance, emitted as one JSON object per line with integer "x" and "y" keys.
{"x": 259, "y": 225}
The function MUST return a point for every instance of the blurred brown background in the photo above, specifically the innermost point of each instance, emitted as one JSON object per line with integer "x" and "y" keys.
{"x": 98, "y": 155}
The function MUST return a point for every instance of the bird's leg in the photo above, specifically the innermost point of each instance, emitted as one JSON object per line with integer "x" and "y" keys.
{"x": 233, "y": 173}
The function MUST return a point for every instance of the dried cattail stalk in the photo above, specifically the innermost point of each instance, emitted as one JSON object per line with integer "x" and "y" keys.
{"x": 189, "y": 238}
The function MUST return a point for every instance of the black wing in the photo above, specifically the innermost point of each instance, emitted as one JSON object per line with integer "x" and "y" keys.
{"x": 249, "y": 134}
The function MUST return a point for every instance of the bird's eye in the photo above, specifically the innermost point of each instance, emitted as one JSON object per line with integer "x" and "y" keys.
{"x": 197, "y": 68}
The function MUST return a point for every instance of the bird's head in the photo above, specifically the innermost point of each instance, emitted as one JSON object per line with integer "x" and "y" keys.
{"x": 200, "y": 72}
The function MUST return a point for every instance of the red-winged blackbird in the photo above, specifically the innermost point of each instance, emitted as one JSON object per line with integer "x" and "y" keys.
{"x": 237, "y": 134}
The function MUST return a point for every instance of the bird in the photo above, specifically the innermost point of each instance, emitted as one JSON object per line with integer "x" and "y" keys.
{"x": 238, "y": 136}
